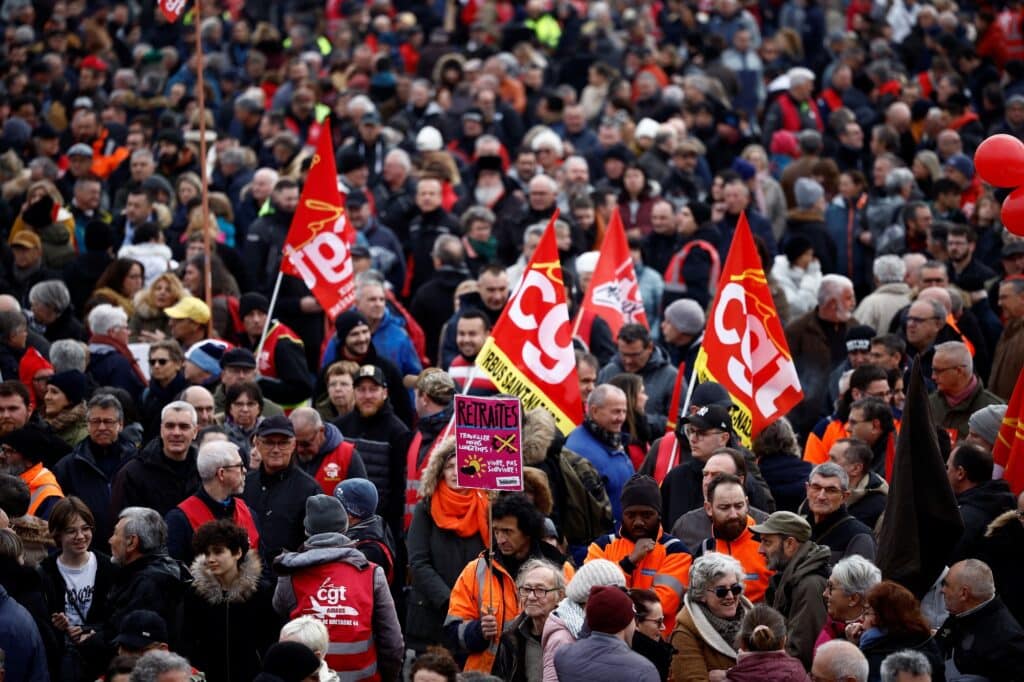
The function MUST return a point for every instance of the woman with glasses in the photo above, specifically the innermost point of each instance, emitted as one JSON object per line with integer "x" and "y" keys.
{"x": 243, "y": 409}
{"x": 706, "y": 628}
{"x": 846, "y": 596}
{"x": 647, "y": 640}
{"x": 75, "y": 580}
{"x": 166, "y": 382}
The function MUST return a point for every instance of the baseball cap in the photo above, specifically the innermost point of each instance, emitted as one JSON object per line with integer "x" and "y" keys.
{"x": 373, "y": 373}
{"x": 785, "y": 523}
{"x": 141, "y": 628}
{"x": 1014, "y": 248}
{"x": 858, "y": 338}
{"x": 711, "y": 393}
{"x": 189, "y": 308}
{"x": 437, "y": 385}
{"x": 27, "y": 239}
{"x": 238, "y": 357}
{"x": 80, "y": 149}
{"x": 355, "y": 199}
{"x": 710, "y": 417}
{"x": 277, "y": 425}
{"x": 963, "y": 164}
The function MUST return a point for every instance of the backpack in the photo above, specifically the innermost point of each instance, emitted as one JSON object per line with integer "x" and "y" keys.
{"x": 587, "y": 511}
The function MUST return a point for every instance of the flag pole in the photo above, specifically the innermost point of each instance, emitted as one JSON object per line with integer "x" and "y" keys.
{"x": 689, "y": 390}
{"x": 270, "y": 315}
{"x": 204, "y": 180}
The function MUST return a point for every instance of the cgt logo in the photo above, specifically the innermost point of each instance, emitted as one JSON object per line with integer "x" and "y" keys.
{"x": 553, "y": 359}
{"x": 330, "y": 594}
{"x": 326, "y": 253}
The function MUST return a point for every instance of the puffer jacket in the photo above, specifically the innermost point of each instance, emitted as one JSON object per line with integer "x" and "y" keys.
{"x": 659, "y": 377}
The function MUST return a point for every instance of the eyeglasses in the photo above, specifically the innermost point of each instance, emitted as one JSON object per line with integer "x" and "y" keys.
{"x": 275, "y": 444}
{"x": 72, "y": 532}
{"x": 96, "y": 421}
{"x": 920, "y": 320}
{"x": 240, "y": 466}
{"x": 722, "y": 591}
{"x": 660, "y": 622}
{"x": 697, "y": 434}
{"x": 829, "y": 490}
{"x": 538, "y": 592}
{"x": 940, "y": 370}
{"x": 159, "y": 362}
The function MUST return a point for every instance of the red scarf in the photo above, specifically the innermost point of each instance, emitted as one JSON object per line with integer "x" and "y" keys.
{"x": 123, "y": 350}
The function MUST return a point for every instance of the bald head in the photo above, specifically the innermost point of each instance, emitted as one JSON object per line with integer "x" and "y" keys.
{"x": 9, "y": 304}
{"x": 939, "y": 295}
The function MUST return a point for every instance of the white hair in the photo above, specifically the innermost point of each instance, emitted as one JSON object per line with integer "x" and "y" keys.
{"x": 958, "y": 352}
{"x": 154, "y": 664}
{"x": 105, "y": 317}
{"x": 548, "y": 139}
{"x": 213, "y": 455}
{"x": 602, "y": 393}
{"x": 708, "y": 568}
{"x": 889, "y": 269}
{"x": 977, "y": 576}
{"x": 179, "y": 406}
{"x": 908, "y": 661}
{"x": 842, "y": 660}
{"x": 832, "y": 287}
{"x": 856, "y": 575}
{"x": 306, "y": 630}
{"x": 402, "y": 157}
{"x": 147, "y": 525}
{"x": 306, "y": 416}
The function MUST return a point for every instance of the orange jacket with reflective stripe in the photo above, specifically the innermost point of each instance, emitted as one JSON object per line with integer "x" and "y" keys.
{"x": 42, "y": 485}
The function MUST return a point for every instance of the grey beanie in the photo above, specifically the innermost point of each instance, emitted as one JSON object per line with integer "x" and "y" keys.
{"x": 593, "y": 573}
{"x": 686, "y": 315}
{"x": 358, "y": 496}
{"x": 807, "y": 192}
{"x": 324, "y": 514}
{"x": 986, "y": 422}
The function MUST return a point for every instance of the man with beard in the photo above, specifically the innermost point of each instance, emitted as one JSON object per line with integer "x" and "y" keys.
{"x": 222, "y": 472}
{"x": 354, "y": 342}
{"x": 472, "y": 329}
{"x": 801, "y": 573}
{"x": 14, "y": 406}
{"x": 494, "y": 191}
{"x": 638, "y": 354}
{"x": 138, "y": 209}
{"x": 650, "y": 558}
{"x": 695, "y": 526}
{"x": 173, "y": 157}
{"x": 322, "y": 450}
{"x": 966, "y": 271}
{"x": 381, "y": 440}
{"x": 491, "y": 295}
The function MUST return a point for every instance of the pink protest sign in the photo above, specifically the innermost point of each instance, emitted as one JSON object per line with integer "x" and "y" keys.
{"x": 488, "y": 442}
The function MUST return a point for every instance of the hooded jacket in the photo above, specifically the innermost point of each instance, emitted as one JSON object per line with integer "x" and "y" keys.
{"x": 795, "y": 592}
{"x": 699, "y": 647}
{"x": 867, "y": 499}
{"x": 150, "y": 480}
{"x": 659, "y": 377}
{"x": 332, "y": 440}
{"x": 109, "y": 368}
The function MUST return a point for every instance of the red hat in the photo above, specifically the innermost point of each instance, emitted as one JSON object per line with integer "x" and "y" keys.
{"x": 609, "y": 609}
{"x": 93, "y": 62}
{"x": 32, "y": 362}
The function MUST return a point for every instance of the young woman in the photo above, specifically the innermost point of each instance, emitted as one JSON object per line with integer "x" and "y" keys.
{"x": 647, "y": 640}
{"x": 64, "y": 406}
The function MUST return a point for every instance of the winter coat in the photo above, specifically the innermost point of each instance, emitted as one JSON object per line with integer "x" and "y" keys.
{"x": 875, "y": 649}
{"x": 796, "y": 593}
{"x": 510, "y": 661}
{"x": 979, "y": 506}
{"x": 810, "y": 341}
{"x": 699, "y": 647}
{"x": 786, "y": 476}
{"x": 956, "y": 417}
{"x": 20, "y": 640}
{"x": 327, "y": 548}
{"x": 424, "y": 229}
{"x": 54, "y": 587}
{"x": 147, "y": 319}
{"x": 657, "y": 651}
{"x": 392, "y": 341}
{"x": 810, "y": 224}
{"x": 999, "y": 549}
{"x": 434, "y": 302}
{"x": 26, "y": 586}
{"x": 374, "y": 540}
{"x": 108, "y": 367}
{"x": 155, "y": 397}
{"x": 180, "y": 531}
{"x": 694, "y": 527}
{"x": 278, "y": 505}
{"x": 767, "y": 666}
{"x": 843, "y": 534}
{"x": 66, "y": 326}
{"x": 799, "y": 285}
{"x": 613, "y": 465}
{"x": 150, "y": 480}
{"x": 229, "y": 629}
{"x": 987, "y": 641}
{"x": 659, "y": 377}
{"x": 1008, "y": 359}
{"x": 603, "y": 657}
{"x": 878, "y": 308}
{"x": 561, "y": 629}
{"x": 155, "y": 258}
{"x": 79, "y": 474}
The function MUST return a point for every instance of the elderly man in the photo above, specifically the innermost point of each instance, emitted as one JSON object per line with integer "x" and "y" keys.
{"x": 795, "y": 109}
{"x": 110, "y": 361}
{"x": 322, "y": 450}
{"x": 839, "y": 661}
{"x": 637, "y": 353}
{"x": 237, "y": 366}
{"x": 980, "y": 498}
{"x": 891, "y": 293}
{"x": 980, "y": 637}
{"x": 817, "y": 342}
{"x": 222, "y": 473}
{"x": 1008, "y": 358}
{"x": 164, "y": 473}
{"x": 959, "y": 392}
{"x": 430, "y": 221}
{"x": 868, "y": 491}
{"x": 832, "y": 526}
{"x": 277, "y": 491}
{"x": 541, "y": 586}
{"x": 801, "y": 572}
{"x": 599, "y": 440}
{"x": 203, "y": 403}
{"x": 906, "y": 666}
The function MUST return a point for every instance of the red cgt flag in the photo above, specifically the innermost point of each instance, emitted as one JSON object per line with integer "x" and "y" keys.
{"x": 1008, "y": 450}
{"x": 529, "y": 353}
{"x": 317, "y": 248}
{"x": 614, "y": 292}
{"x": 744, "y": 348}
{"x": 171, "y": 9}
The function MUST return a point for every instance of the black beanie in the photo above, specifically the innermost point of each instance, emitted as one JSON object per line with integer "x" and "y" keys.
{"x": 347, "y": 321}
{"x": 252, "y": 301}
{"x": 98, "y": 236}
{"x": 290, "y": 661}
{"x": 643, "y": 491}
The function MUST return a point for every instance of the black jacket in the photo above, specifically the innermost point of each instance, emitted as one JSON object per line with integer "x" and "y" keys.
{"x": 374, "y": 539}
{"x": 978, "y": 507}
{"x": 510, "y": 661}
{"x": 278, "y": 505}
{"x": 154, "y": 398}
{"x": 877, "y": 649}
{"x": 986, "y": 642}
{"x": 398, "y": 397}
{"x": 66, "y": 326}
{"x": 54, "y": 588}
{"x": 786, "y": 476}
{"x": 424, "y": 229}
{"x": 843, "y": 534}
{"x": 434, "y": 302}
{"x": 81, "y": 474}
{"x": 150, "y": 480}
{"x": 26, "y": 587}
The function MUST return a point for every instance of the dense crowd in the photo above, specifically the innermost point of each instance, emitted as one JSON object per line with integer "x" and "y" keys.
{"x": 228, "y": 485}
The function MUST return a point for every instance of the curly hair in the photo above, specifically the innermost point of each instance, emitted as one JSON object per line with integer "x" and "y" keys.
{"x": 220, "y": 533}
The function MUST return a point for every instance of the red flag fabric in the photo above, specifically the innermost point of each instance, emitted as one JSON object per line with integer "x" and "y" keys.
{"x": 677, "y": 395}
{"x": 171, "y": 9}
{"x": 529, "y": 353}
{"x": 1008, "y": 450}
{"x": 317, "y": 248}
{"x": 744, "y": 347}
{"x": 614, "y": 292}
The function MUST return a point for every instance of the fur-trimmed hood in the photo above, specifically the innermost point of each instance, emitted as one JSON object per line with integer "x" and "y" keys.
{"x": 146, "y": 310}
{"x": 539, "y": 432}
{"x": 535, "y": 482}
{"x": 1004, "y": 519}
{"x": 248, "y": 581}
{"x": 432, "y": 472}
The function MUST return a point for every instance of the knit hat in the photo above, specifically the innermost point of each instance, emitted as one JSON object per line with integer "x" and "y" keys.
{"x": 436, "y": 384}
{"x": 290, "y": 661}
{"x": 350, "y": 160}
{"x": 252, "y": 301}
{"x": 429, "y": 139}
{"x": 31, "y": 364}
{"x": 796, "y": 246}
{"x": 641, "y": 491}
{"x": 324, "y": 514}
{"x": 858, "y": 338}
{"x": 206, "y": 356}
{"x": 986, "y": 422}
{"x": 685, "y": 315}
{"x": 609, "y": 609}
{"x": 807, "y": 192}
{"x": 33, "y": 442}
{"x": 745, "y": 169}
{"x": 962, "y": 163}
{"x": 591, "y": 574}
{"x": 347, "y": 321}
{"x": 72, "y": 383}
{"x": 358, "y": 496}
{"x": 40, "y": 213}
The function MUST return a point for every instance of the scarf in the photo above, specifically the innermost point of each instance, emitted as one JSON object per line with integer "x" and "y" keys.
{"x": 464, "y": 513}
{"x": 122, "y": 349}
{"x": 572, "y": 615}
{"x": 728, "y": 628}
{"x": 615, "y": 441}
{"x": 67, "y": 417}
{"x": 964, "y": 395}
{"x": 487, "y": 250}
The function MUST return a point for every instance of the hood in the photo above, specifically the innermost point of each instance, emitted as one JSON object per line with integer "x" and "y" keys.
{"x": 158, "y": 566}
{"x": 539, "y": 432}
{"x": 811, "y": 559}
{"x": 659, "y": 358}
{"x": 321, "y": 549}
{"x": 432, "y": 472}
{"x": 994, "y": 497}
{"x": 371, "y": 528}
{"x": 536, "y": 482}
{"x": 207, "y": 586}
{"x": 704, "y": 627}
{"x": 1003, "y": 520}
{"x": 332, "y": 438}
{"x": 145, "y": 250}
{"x": 101, "y": 348}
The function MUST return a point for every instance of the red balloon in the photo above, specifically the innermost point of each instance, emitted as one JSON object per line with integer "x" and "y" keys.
{"x": 1013, "y": 212}
{"x": 999, "y": 161}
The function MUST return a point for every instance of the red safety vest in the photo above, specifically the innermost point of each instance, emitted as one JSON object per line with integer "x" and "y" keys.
{"x": 340, "y": 596}
{"x": 675, "y": 282}
{"x": 791, "y": 117}
{"x": 334, "y": 469}
{"x": 265, "y": 362}
{"x": 414, "y": 471}
{"x": 667, "y": 457}
{"x": 197, "y": 513}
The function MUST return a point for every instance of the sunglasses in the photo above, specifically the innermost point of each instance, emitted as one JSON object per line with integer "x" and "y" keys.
{"x": 722, "y": 591}
{"x": 159, "y": 362}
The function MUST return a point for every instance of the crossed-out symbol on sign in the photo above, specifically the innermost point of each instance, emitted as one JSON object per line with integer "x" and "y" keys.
{"x": 501, "y": 444}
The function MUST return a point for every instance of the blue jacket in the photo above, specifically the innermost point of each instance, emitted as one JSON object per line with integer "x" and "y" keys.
{"x": 603, "y": 657}
{"x": 108, "y": 367}
{"x": 20, "y": 640}
{"x": 614, "y": 466}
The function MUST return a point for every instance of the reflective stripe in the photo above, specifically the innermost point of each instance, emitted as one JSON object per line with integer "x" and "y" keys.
{"x": 669, "y": 581}
{"x": 361, "y": 674}
{"x": 39, "y": 491}
{"x": 481, "y": 576}
{"x": 348, "y": 647}
{"x": 462, "y": 635}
